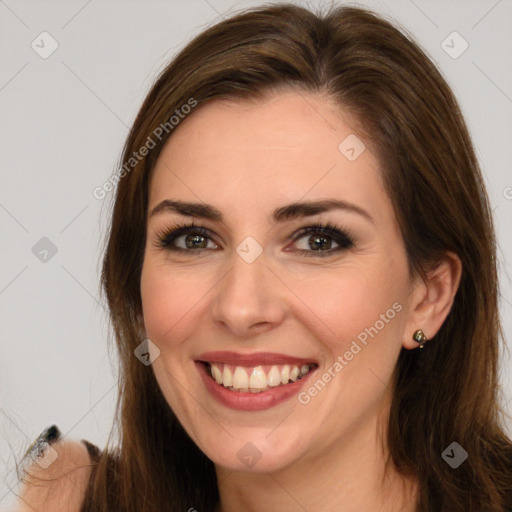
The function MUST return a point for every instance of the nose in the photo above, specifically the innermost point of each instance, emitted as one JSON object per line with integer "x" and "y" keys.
{"x": 249, "y": 299}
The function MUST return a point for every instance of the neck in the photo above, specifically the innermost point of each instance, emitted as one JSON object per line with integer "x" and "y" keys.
{"x": 348, "y": 476}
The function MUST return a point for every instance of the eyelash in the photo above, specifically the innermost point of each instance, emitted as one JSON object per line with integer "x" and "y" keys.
{"x": 165, "y": 237}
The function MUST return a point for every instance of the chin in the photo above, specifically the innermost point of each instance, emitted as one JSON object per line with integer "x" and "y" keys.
{"x": 256, "y": 449}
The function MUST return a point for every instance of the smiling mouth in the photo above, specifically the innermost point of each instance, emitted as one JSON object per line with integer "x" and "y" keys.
{"x": 256, "y": 379}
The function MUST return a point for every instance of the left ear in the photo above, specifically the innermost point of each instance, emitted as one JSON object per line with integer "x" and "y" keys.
{"x": 432, "y": 299}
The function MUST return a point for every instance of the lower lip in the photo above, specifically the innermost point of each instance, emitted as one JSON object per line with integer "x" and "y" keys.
{"x": 250, "y": 401}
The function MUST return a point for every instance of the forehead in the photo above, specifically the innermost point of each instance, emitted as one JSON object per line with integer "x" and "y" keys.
{"x": 280, "y": 149}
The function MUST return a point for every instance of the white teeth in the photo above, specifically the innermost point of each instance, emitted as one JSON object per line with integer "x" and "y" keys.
{"x": 255, "y": 380}
{"x": 285, "y": 374}
{"x": 240, "y": 379}
{"x": 227, "y": 376}
{"x": 274, "y": 376}
{"x": 216, "y": 374}
{"x": 258, "y": 378}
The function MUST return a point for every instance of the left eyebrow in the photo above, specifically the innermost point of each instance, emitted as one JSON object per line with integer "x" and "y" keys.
{"x": 307, "y": 209}
{"x": 284, "y": 213}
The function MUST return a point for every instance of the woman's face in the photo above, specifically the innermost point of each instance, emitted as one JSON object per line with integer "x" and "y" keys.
{"x": 260, "y": 297}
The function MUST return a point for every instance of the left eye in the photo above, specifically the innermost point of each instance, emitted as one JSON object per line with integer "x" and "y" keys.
{"x": 318, "y": 240}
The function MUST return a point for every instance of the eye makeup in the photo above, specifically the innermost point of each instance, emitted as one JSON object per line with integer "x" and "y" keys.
{"x": 196, "y": 236}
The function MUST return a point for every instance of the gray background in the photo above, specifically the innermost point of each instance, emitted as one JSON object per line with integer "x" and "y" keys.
{"x": 63, "y": 123}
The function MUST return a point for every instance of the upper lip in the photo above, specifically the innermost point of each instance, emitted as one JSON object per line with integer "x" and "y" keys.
{"x": 253, "y": 359}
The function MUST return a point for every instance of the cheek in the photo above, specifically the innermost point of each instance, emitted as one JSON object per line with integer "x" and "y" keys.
{"x": 168, "y": 301}
{"x": 351, "y": 301}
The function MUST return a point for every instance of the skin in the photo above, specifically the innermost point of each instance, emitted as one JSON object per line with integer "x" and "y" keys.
{"x": 247, "y": 159}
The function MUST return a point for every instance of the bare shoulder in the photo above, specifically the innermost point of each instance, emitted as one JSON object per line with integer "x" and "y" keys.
{"x": 58, "y": 480}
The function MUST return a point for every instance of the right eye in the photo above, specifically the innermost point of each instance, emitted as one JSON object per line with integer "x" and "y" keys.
{"x": 194, "y": 238}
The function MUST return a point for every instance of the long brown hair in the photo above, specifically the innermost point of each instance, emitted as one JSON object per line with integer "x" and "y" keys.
{"x": 409, "y": 117}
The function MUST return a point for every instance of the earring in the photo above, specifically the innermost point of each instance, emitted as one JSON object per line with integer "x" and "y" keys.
{"x": 419, "y": 337}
